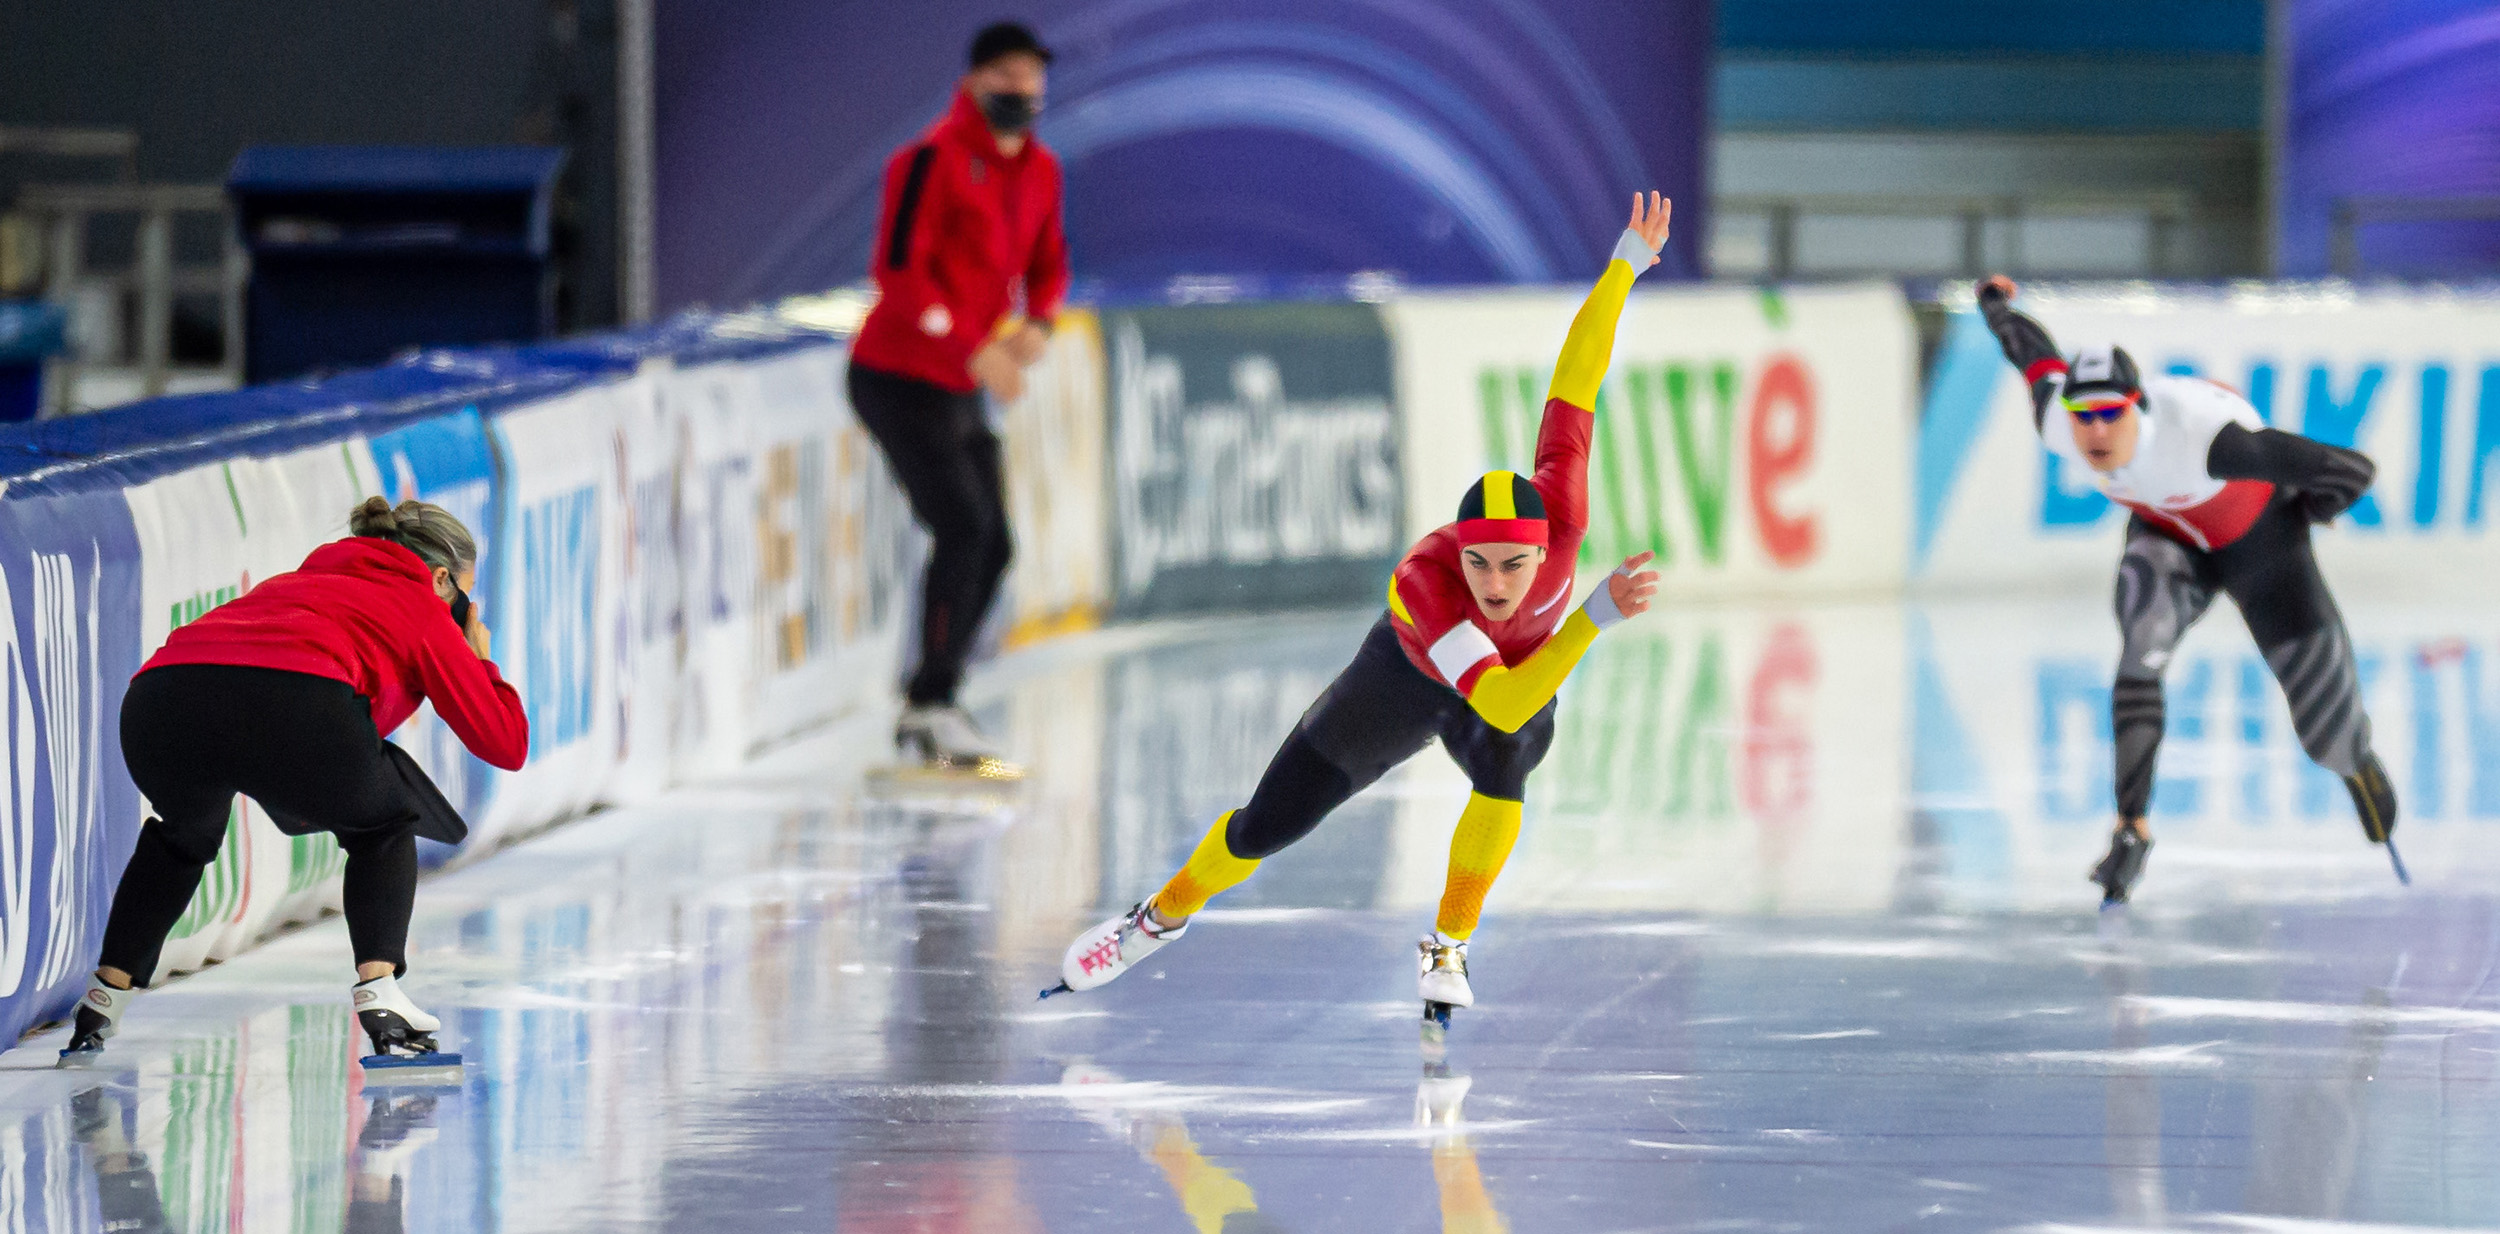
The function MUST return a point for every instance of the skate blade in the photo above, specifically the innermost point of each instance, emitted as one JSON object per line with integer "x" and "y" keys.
{"x": 938, "y": 779}
{"x": 1061, "y": 988}
{"x": 436, "y": 1070}
{"x": 80, "y": 1060}
{"x": 2393, "y": 859}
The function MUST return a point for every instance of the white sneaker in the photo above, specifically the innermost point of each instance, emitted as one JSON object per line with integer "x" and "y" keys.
{"x": 1107, "y": 950}
{"x": 1441, "y": 972}
{"x": 943, "y": 734}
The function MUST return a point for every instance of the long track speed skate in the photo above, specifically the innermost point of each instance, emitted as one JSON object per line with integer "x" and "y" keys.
{"x": 1441, "y": 979}
{"x": 2374, "y": 800}
{"x": 99, "y": 1016}
{"x": 404, "y": 1052}
{"x": 942, "y": 744}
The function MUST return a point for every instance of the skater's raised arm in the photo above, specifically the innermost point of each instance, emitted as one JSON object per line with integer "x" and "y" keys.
{"x": 2330, "y": 478}
{"x": 1562, "y": 440}
{"x": 2027, "y": 345}
{"x": 1590, "y": 346}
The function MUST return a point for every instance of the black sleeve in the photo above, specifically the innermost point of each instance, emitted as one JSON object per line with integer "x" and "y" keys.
{"x": 2330, "y": 478}
{"x": 2028, "y": 347}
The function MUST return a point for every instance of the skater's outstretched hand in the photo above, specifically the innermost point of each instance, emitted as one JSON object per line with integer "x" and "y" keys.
{"x": 1649, "y": 222}
{"x": 1996, "y": 289}
{"x": 1631, "y": 586}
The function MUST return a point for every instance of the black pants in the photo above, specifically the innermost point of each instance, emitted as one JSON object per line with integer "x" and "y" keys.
{"x": 304, "y": 747}
{"x": 1374, "y": 716}
{"x": 2271, "y": 574}
{"x": 946, "y": 458}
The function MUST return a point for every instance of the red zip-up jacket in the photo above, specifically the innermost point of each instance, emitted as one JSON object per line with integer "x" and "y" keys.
{"x": 363, "y": 610}
{"x": 963, "y": 227}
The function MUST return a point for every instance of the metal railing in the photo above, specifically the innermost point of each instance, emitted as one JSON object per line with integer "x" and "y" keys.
{"x": 154, "y": 280}
{"x": 2165, "y": 213}
{"x": 2351, "y": 214}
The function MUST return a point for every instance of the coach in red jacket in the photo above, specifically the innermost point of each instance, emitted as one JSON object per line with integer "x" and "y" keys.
{"x": 970, "y": 226}
{"x": 284, "y": 695}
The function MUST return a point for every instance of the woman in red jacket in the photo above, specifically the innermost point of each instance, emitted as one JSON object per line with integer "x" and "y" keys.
{"x": 283, "y": 694}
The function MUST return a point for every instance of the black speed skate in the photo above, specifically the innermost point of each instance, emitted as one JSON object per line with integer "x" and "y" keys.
{"x": 2125, "y": 863}
{"x": 2374, "y": 800}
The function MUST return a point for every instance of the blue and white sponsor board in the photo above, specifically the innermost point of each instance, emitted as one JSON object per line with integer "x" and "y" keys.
{"x": 688, "y": 548}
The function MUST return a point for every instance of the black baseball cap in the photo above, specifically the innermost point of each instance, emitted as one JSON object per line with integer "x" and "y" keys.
{"x": 1005, "y": 38}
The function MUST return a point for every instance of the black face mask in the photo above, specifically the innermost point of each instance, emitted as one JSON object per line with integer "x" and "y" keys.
{"x": 459, "y": 608}
{"x": 1010, "y": 113}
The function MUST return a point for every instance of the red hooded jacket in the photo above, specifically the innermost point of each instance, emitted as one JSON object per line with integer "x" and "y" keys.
{"x": 363, "y": 610}
{"x": 962, "y": 228}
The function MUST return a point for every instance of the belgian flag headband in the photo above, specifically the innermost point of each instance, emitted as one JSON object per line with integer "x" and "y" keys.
{"x": 1501, "y": 508}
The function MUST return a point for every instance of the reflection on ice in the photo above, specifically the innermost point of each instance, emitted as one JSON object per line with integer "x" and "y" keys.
{"x": 1797, "y": 936}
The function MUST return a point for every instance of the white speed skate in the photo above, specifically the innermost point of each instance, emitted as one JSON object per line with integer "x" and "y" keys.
{"x": 1107, "y": 950}
{"x": 944, "y": 737}
{"x": 1441, "y": 978}
{"x": 99, "y": 1016}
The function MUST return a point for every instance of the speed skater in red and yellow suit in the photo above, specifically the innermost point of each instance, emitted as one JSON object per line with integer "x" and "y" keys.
{"x": 1476, "y": 640}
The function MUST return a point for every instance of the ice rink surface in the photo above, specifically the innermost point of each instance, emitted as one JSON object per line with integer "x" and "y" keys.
{"x": 1797, "y": 938}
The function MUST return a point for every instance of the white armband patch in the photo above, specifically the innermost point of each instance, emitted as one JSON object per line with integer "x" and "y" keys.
{"x": 1459, "y": 650}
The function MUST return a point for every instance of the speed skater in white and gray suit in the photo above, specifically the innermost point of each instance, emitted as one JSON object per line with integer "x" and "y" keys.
{"x": 2221, "y": 504}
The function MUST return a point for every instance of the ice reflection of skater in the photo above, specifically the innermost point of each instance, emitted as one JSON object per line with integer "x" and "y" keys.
{"x": 1474, "y": 644}
{"x": 2131, "y": 1134}
{"x": 283, "y": 694}
{"x": 397, "y": 1127}
{"x": 2222, "y": 504}
{"x": 1215, "y": 1198}
{"x": 127, "y": 1199}
{"x": 1466, "y": 1207}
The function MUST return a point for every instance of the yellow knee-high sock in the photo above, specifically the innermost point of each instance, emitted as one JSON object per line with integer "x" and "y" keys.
{"x": 1486, "y": 830}
{"x": 1212, "y": 868}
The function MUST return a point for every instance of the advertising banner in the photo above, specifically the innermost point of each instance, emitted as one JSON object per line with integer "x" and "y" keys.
{"x": 1054, "y": 441}
{"x": 559, "y": 521}
{"x": 1757, "y": 441}
{"x": 1458, "y": 142}
{"x": 2410, "y": 378}
{"x": 69, "y": 641}
{"x": 1254, "y": 457}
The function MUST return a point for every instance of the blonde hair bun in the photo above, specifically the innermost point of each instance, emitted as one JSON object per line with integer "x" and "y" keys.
{"x": 421, "y": 527}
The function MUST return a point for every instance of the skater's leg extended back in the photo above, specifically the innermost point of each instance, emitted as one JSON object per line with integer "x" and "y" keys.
{"x": 2272, "y": 575}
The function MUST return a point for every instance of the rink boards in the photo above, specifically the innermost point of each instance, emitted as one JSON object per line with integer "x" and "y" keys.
{"x": 688, "y": 547}
{"x": 691, "y": 549}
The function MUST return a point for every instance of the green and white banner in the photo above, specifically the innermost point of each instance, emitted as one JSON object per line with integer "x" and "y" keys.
{"x": 1757, "y": 441}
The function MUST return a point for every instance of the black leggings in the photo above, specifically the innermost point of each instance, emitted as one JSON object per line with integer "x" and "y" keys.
{"x": 1377, "y": 714}
{"x": 946, "y": 458}
{"x": 2271, "y": 574}
{"x": 304, "y": 747}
